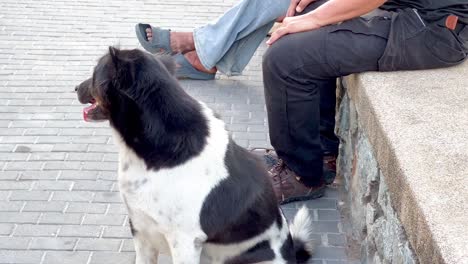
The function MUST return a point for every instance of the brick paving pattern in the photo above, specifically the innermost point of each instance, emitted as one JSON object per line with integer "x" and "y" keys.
{"x": 59, "y": 201}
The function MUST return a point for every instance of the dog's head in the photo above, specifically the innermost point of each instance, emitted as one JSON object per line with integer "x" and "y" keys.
{"x": 115, "y": 78}
{"x": 138, "y": 93}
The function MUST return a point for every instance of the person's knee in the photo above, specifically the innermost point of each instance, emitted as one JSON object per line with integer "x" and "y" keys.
{"x": 277, "y": 58}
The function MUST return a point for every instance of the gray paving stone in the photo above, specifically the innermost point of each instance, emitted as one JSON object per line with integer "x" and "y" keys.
{"x": 117, "y": 232}
{"x": 79, "y": 175}
{"x": 323, "y": 203}
{"x": 70, "y": 147}
{"x": 6, "y": 229}
{"x": 7, "y": 148}
{"x": 107, "y": 197}
{"x": 47, "y": 243}
{"x": 44, "y": 206}
{"x": 24, "y": 166}
{"x": 93, "y": 185}
{"x": 61, "y": 218}
{"x": 98, "y": 219}
{"x": 9, "y": 206}
{"x": 108, "y": 175}
{"x": 328, "y": 215}
{"x": 336, "y": 240}
{"x": 99, "y": 244}
{"x": 28, "y": 230}
{"x": 21, "y": 256}
{"x": 112, "y": 257}
{"x": 53, "y": 185}
{"x": 330, "y": 253}
{"x": 47, "y": 156}
{"x": 62, "y": 165}
{"x": 41, "y": 131}
{"x": 326, "y": 227}
{"x": 128, "y": 245}
{"x": 17, "y": 243}
{"x": 14, "y": 156}
{"x": 80, "y": 231}
{"x": 117, "y": 209}
{"x": 15, "y": 185}
{"x": 65, "y": 257}
{"x": 103, "y": 148}
{"x": 91, "y": 208}
{"x": 85, "y": 156}
{"x": 75, "y": 196}
{"x": 39, "y": 175}
{"x": 33, "y": 148}
{"x": 9, "y": 175}
{"x": 21, "y": 195}
{"x": 4, "y": 195}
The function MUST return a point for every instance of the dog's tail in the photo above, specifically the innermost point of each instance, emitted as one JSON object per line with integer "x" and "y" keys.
{"x": 301, "y": 232}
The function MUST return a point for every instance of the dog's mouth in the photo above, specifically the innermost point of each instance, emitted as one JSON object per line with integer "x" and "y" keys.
{"x": 94, "y": 112}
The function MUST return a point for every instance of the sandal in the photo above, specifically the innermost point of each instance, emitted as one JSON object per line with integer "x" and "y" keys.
{"x": 160, "y": 42}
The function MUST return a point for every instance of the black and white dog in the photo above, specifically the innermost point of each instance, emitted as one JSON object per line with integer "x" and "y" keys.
{"x": 191, "y": 192}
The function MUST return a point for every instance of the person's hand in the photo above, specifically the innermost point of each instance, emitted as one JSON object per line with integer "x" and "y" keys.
{"x": 297, "y": 6}
{"x": 292, "y": 25}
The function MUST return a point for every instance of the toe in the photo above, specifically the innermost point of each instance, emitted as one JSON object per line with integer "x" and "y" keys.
{"x": 149, "y": 33}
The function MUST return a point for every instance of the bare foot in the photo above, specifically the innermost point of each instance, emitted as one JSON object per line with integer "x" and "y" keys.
{"x": 193, "y": 59}
{"x": 181, "y": 42}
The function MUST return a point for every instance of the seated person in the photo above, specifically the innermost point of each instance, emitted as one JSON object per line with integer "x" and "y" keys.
{"x": 310, "y": 51}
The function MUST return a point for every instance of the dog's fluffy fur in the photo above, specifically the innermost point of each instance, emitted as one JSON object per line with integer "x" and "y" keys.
{"x": 191, "y": 192}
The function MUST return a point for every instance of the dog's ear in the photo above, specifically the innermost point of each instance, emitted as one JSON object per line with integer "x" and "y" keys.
{"x": 122, "y": 67}
{"x": 168, "y": 62}
{"x": 114, "y": 54}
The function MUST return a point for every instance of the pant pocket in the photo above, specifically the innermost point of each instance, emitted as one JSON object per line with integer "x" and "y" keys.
{"x": 443, "y": 45}
{"x": 414, "y": 45}
{"x": 463, "y": 35}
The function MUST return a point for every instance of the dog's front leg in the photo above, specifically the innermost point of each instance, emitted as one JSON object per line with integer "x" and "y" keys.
{"x": 144, "y": 251}
{"x": 185, "y": 249}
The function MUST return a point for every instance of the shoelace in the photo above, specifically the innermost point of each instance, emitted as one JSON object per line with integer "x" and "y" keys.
{"x": 276, "y": 170}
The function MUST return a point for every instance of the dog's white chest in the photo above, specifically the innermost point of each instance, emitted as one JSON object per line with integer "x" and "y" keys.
{"x": 172, "y": 197}
{"x": 172, "y": 201}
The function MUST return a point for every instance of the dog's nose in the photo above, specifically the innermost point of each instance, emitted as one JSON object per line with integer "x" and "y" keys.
{"x": 76, "y": 88}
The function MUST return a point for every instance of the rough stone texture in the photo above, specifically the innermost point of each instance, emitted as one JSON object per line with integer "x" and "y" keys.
{"x": 416, "y": 124}
{"x": 58, "y": 193}
{"x": 374, "y": 222}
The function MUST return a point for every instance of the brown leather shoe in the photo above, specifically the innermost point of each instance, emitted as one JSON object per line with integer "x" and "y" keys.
{"x": 288, "y": 187}
{"x": 270, "y": 158}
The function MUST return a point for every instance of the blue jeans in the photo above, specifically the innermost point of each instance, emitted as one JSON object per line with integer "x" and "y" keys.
{"x": 230, "y": 41}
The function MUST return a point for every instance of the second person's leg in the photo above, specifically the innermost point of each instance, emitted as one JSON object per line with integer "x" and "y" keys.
{"x": 229, "y": 42}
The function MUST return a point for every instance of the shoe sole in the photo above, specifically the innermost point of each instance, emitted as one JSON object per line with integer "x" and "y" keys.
{"x": 316, "y": 195}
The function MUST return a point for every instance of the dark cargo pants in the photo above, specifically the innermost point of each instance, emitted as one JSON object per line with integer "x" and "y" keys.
{"x": 300, "y": 71}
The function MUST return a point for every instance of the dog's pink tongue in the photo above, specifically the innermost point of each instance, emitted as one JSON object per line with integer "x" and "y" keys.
{"x": 87, "y": 112}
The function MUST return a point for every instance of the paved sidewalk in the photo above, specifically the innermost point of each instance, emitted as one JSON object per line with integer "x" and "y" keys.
{"x": 59, "y": 201}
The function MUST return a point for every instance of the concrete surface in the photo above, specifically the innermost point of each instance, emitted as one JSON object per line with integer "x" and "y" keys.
{"x": 417, "y": 123}
{"x": 58, "y": 196}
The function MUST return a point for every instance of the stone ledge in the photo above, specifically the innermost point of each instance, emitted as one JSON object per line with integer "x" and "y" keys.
{"x": 417, "y": 124}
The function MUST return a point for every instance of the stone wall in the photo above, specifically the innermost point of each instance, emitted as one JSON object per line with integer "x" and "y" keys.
{"x": 374, "y": 222}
